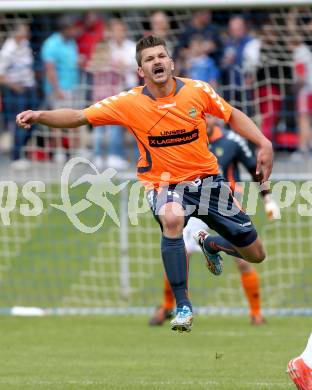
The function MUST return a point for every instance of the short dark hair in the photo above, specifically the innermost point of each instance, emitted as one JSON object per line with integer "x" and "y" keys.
{"x": 147, "y": 42}
{"x": 65, "y": 21}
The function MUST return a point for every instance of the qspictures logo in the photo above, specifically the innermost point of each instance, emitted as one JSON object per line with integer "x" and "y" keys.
{"x": 101, "y": 185}
{"x": 99, "y": 193}
{"x": 103, "y": 191}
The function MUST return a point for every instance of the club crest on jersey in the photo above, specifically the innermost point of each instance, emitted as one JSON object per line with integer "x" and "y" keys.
{"x": 219, "y": 152}
{"x": 192, "y": 112}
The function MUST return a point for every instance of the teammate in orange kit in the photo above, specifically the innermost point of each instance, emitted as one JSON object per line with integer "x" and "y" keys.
{"x": 230, "y": 150}
{"x": 167, "y": 118}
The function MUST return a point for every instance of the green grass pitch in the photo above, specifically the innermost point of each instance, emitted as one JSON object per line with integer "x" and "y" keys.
{"x": 123, "y": 352}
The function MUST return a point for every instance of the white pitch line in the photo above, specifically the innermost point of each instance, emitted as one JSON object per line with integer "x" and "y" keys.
{"x": 251, "y": 385}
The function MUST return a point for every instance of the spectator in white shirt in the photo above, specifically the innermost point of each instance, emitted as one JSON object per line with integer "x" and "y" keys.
{"x": 119, "y": 72}
{"x": 160, "y": 26}
{"x": 19, "y": 86}
{"x": 302, "y": 59}
{"x": 122, "y": 52}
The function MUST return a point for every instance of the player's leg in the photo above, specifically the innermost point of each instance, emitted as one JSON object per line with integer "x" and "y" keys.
{"x": 195, "y": 228}
{"x": 173, "y": 250}
{"x": 171, "y": 216}
{"x": 251, "y": 286}
{"x": 252, "y": 252}
{"x": 300, "y": 368}
{"x": 238, "y": 237}
{"x": 249, "y": 276}
{"x": 164, "y": 311}
{"x": 168, "y": 209}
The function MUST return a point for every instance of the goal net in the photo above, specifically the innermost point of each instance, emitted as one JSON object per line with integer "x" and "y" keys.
{"x": 47, "y": 262}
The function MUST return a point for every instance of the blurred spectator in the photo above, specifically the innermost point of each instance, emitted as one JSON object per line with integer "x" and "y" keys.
{"x": 61, "y": 61}
{"x": 201, "y": 25}
{"x": 91, "y": 28}
{"x": 60, "y": 56}
{"x": 91, "y": 32}
{"x": 122, "y": 52}
{"x": 199, "y": 66}
{"x": 160, "y": 27}
{"x": 114, "y": 68}
{"x": 267, "y": 70}
{"x": 302, "y": 58}
{"x": 308, "y": 33}
{"x": 19, "y": 87}
{"x": 232, "y": 60}
{"x": 237, "y": 39}
{"x": 299, "y": 22}
{"x": 106, "y": 81}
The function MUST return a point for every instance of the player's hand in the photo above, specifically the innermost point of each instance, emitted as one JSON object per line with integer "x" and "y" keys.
{"x": 59, "y": 94}
{"x": 271, "y": 208}
{"x": 264, "y": 160}
{"x": 27, "y": 118}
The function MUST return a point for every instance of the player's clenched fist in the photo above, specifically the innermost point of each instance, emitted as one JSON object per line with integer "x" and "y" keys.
{"x": 26, "y": 118}
{"x": 271, "y": 207}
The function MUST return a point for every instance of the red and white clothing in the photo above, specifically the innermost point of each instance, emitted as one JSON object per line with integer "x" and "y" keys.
{"x": 302, "y": 57}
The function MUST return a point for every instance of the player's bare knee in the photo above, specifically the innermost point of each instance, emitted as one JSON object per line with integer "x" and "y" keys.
{"x": 254, "y": 253}
{"x": 172, "y": 225}
{"x": 259, "y": 255}
{"x": 172, "y": 219}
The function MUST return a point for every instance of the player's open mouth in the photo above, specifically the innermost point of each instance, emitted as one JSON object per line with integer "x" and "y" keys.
{"x": 159, "y": 70}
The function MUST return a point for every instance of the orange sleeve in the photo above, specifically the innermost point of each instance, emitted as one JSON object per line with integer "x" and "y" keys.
{"x": 213, "y": 103}
{"x": 110, "y": 111}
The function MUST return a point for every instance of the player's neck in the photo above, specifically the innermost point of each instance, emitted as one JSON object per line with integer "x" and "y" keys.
{"x": 162, "y": 91}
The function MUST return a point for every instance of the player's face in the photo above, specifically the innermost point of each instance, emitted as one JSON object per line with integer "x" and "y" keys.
{"x": 156, "y": 65}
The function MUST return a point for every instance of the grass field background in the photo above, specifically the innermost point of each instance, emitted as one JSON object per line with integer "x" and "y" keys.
{"x": 123, "y": 352}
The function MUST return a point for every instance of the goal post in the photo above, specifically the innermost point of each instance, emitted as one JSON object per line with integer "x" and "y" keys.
{"x": 71, "y": 5}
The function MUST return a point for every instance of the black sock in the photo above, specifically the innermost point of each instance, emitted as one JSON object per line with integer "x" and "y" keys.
{"x": 215, "y": 244}
{"x": 176, "y": 266}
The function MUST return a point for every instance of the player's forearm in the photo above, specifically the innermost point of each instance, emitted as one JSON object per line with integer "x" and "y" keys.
{"x": 62, "y": 118}
{"x": 244, "y": 126}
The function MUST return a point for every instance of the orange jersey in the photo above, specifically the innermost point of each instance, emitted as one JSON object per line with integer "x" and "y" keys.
{"x": 170, "y": 131}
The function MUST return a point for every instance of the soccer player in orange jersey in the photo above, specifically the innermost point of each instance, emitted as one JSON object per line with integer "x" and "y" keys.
{"x": 167, "y": 118}
{"x": 230, "y": 150}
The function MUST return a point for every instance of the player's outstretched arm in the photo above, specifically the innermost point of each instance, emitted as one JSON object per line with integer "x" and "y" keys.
{"x": 244, "y": 126}
{"x": 61, "y": 118}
